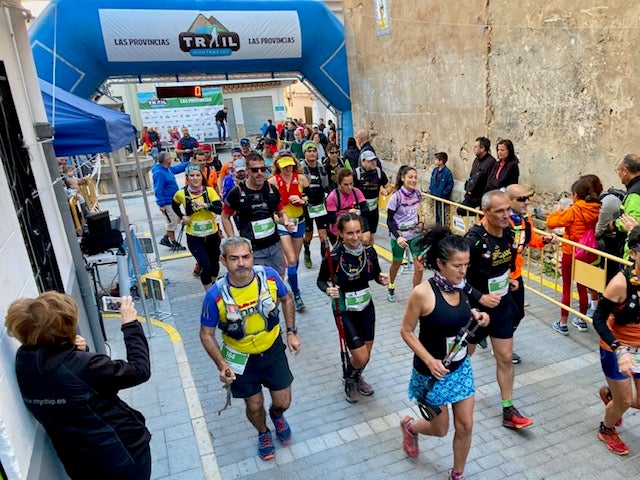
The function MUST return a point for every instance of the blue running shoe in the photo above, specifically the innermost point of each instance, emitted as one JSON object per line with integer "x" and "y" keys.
{"x": 266, "y": 450}
{"x": 283, "y": 431}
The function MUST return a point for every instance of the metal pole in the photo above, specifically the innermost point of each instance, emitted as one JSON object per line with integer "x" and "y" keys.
{"x": 127, "y": 229}
{"x": 143, "y": 187}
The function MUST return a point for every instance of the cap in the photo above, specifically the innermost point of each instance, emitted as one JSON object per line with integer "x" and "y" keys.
{"x": 315, "y": 125}
{"x": 191, "y": 168}
{"x": 308, "y": 145}
{"x": 245, "y": 141}
{"x": 205, "y": 147}
{"x": 272, "y": 147}
{"x": 367, "y": 155}
{"x": 239, "y": 165}
{"x": 634, "y": 239}
{"x": 286, "y": 161}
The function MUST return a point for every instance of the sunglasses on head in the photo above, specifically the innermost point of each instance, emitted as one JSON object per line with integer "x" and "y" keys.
{"x": 258, "y": 169}
{"x": 523, "y": 198}
{"x": 285, "y": 153}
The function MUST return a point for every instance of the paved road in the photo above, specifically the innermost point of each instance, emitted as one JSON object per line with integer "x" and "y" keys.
{"x": 556, "y": 385}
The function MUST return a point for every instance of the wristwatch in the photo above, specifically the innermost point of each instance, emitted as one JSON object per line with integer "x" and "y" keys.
{"x": 292, "y": 330}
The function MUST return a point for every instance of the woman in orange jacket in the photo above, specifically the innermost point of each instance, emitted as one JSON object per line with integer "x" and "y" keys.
{"x": 579, "y": 217}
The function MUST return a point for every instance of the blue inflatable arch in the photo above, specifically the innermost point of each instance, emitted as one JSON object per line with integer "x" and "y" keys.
{"x": 92, "y": 41}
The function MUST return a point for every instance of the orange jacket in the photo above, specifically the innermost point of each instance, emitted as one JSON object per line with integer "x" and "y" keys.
{"x": 520, "y": 242}
{"x": 577, "y": 219}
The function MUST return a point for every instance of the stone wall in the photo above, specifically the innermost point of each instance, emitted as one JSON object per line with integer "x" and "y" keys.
{"x": 557, "y": 78}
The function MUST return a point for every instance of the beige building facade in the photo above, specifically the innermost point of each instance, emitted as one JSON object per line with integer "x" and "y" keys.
{"x": 557, "y": 78}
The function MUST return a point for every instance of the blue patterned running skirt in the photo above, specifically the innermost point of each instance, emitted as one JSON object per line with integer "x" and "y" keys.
{"x": 454, "y": 387}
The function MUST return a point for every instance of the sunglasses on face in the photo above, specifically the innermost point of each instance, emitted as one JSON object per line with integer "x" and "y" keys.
{"x": 258, "y": 169}
{"x": 523, "y": 198}
{"x": 333, "y": 151}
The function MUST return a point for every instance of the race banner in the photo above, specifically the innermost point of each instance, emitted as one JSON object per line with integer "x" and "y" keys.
{"x": 188, "y": 35}
{"x": 197, "y": 114}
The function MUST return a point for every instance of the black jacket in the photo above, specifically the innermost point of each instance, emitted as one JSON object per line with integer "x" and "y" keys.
{"x": 477, "y": 182}
{"x": 74, "y": 395}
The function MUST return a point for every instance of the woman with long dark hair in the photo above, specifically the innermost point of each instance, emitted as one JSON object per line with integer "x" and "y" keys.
{"x": 442, "y": 310}
{"x": 505, "y": 172}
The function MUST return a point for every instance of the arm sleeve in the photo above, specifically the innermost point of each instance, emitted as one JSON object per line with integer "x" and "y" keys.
{"x": 391, "y": 225}
{"x": 605, "y": 308}
{"x": 323, "y": 275}
{"x": 104, "y": 373}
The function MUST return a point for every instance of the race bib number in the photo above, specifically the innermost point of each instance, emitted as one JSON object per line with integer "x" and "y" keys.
{"x": 263, "y": 228}
{"x": 372, "y": 203}
{"x": 316, "y": 211}
{"x": 460, "y": 354}
{"x": 500, "y": 284}
{"x": 408, "y": 225}
{"x": 357, "y": 301}
{"x": 295, "y": 222}
{"x": 236, "y": 360}
{"x": 202, "y": 228}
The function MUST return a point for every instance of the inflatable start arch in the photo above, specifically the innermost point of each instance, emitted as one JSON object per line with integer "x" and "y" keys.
{"x": 78, "y": 45}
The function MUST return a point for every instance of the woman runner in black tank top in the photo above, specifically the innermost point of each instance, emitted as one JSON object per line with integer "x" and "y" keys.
{"x": 442, "y": 309}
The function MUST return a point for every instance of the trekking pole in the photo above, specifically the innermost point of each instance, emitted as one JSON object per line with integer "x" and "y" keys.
{"x": 427, "y": 410}
{"x": 337, "y": 315}
{"x": 175, "y": 246}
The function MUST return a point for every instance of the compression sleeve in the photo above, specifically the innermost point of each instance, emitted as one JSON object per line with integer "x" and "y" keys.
{"x": 605, "y": 308}
{"x": 391, "y": 225}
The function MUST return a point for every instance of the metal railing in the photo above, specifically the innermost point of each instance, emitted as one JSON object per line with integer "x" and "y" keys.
{"x": 543, "y": 275}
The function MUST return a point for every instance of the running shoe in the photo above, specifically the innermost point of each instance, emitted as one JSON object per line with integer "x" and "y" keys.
{"x": 580, "y": 324}
{"x": 299, "y": 303}
{"x": 350, "y": 388}
{"x": 165, "y": 242}
{"x": 176, "y": 247}
{"x": 560, "y": 328}
{"x": 363, "y": 387}
{"x": 516, "y": 358}
{"x": 283, "y": 431}
{"x": 196, "y": 270}
{"x": 391, "y": 295}
{"x": 611, "y": 439}
{"x": 266, "y": 450}
{"x": 307, "y": 260}
{"x": 409, "y": 440}
{"x": 605, "y": 396}
{"x": 453, "y": 475}
{"x": 511, "y": 418}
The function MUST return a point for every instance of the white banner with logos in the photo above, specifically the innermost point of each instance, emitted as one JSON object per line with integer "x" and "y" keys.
{"x": 191, "y": 35}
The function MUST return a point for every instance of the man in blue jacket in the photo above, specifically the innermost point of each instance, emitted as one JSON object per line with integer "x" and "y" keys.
{"x": 165, "y": 187}
{"x": 441, "y": 183}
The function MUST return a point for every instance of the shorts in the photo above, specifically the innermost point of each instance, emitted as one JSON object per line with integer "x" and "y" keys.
{"x": 297, "y": 233}
{"x": 415, "y": 247}
{"x": 271, "y": 257}
{"x": 322, "y": 223}
{"x": 171, "y": 217}
{"x": 269, "y": 369}
{"x": 372, "y": 217}
{"x": 609, "y": 363}
{"x": 359, "y": 327}
{"x": 452, "y": 388}
{"x": 502, "y": 317}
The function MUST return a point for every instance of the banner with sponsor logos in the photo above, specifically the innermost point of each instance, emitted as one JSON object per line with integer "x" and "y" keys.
{"x": 182, "y": 35}
{"x": 197, "y": 114}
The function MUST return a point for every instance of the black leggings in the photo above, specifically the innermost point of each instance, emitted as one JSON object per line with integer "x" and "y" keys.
{"x": 206, "y": 251}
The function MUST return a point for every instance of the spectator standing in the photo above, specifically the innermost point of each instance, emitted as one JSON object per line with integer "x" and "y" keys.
{"x": 271, "y": 131}
{"x": 186, "y": 145}
{"x": 505, "y": 171}
{"x": 221, "y": 122}
{"x": 476, "y": 183}
{"x": 165, "y": 187}
{"x": 352, "y": 153}
{"x": 441, "y": 183}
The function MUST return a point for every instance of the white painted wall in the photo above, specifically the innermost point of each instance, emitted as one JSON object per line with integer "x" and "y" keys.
{"x": 20, "y": 438}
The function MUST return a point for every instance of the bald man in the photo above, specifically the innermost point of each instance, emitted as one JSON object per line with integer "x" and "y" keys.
{"x": 524, "y": 236}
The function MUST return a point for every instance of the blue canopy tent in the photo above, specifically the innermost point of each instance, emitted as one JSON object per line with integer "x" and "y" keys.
{"x": 83, "y": 127}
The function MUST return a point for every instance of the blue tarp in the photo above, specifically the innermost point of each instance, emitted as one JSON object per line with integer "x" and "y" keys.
{"x": 83, "y": 127}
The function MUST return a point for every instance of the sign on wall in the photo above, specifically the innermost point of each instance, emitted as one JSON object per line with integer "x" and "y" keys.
{"x": 382, "y": 17}
{"x": 183, "y": 35}
{"x": 197, "y": 114}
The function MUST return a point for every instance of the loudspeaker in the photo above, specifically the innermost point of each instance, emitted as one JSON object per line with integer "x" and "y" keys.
{"x": 98, "y": 223}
